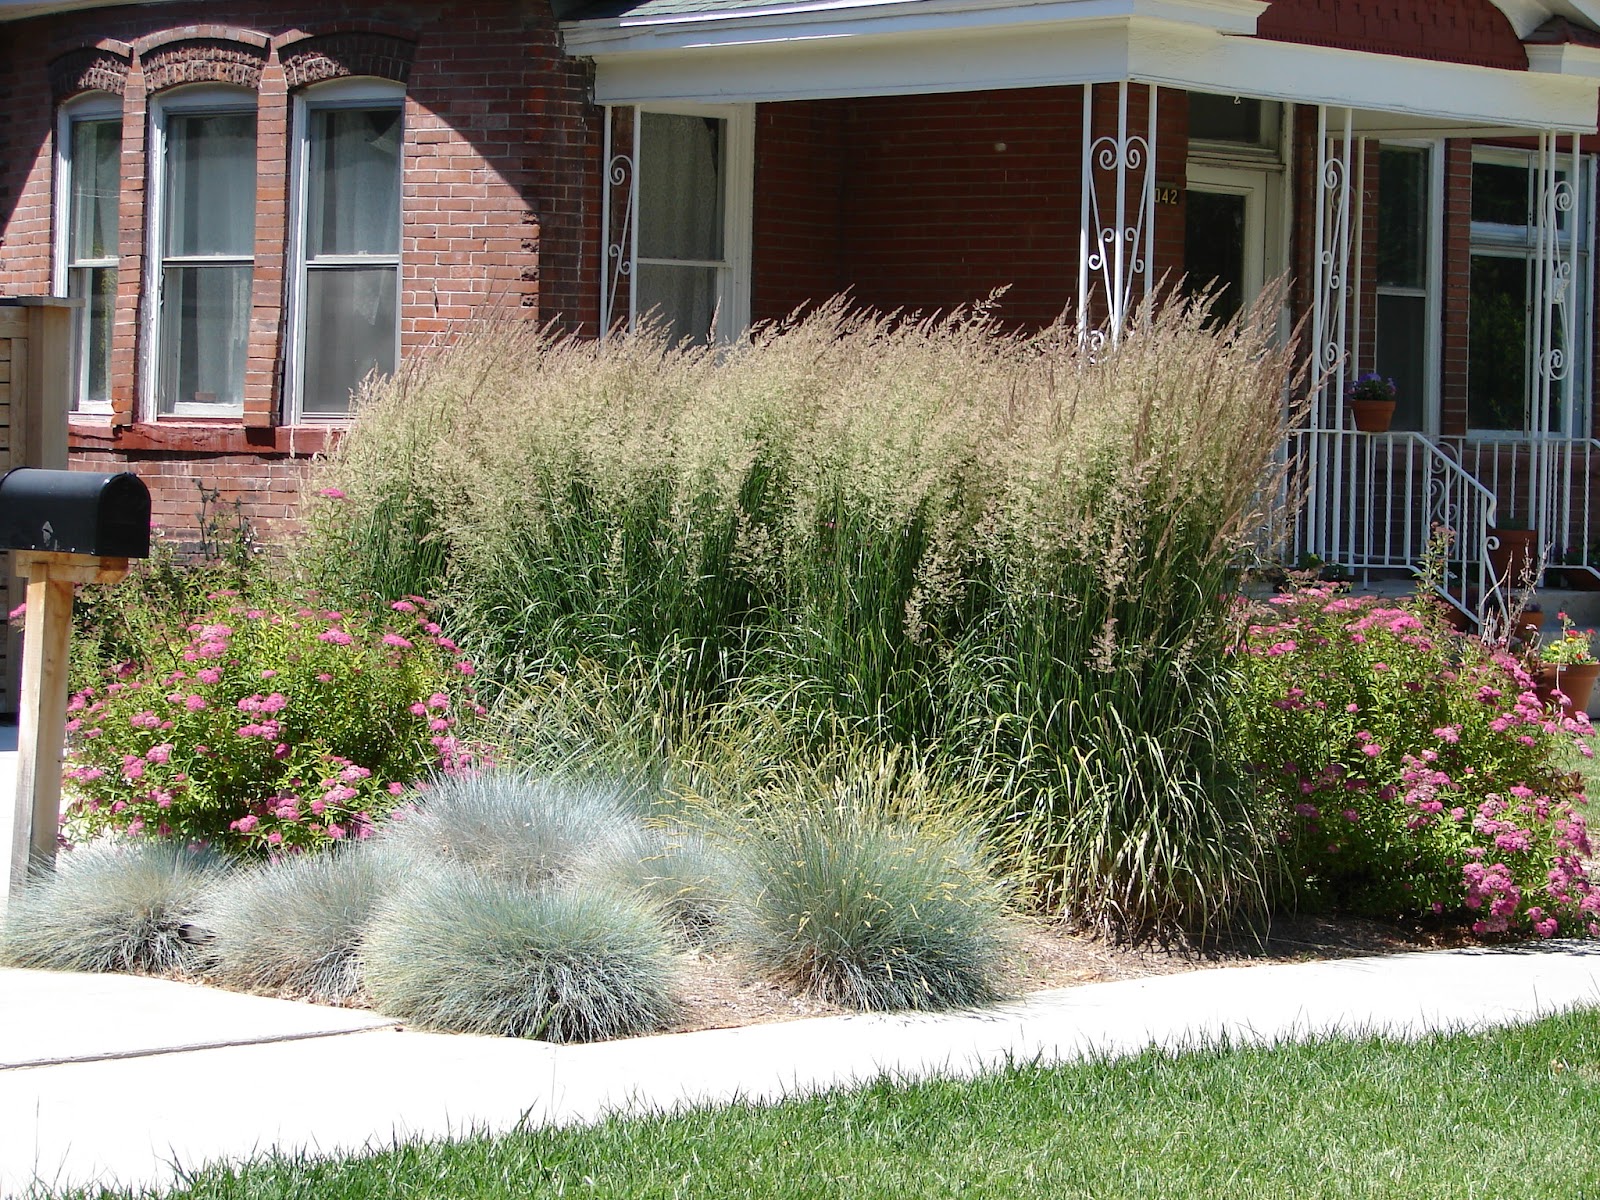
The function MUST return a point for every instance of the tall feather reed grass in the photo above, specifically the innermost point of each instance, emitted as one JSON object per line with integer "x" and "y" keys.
{"x": 1010, "y": 551}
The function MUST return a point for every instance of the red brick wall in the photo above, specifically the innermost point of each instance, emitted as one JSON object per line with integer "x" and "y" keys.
{"x": 929, "y": 202}
{"x": 501, "y": 156}
{"x": 1468, "y": 31}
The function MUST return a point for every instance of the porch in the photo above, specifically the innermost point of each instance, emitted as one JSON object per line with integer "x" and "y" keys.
{"x": 1079, "y": 156}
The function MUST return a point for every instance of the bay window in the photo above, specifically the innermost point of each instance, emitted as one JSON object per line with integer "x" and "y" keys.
{"x": 89, "y": 153}
{"x": 346, "y": 251}
{"x": 203, "y": 232}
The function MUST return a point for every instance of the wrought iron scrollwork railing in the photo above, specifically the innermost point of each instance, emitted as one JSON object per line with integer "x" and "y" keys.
{"x": 1396, "y": 492}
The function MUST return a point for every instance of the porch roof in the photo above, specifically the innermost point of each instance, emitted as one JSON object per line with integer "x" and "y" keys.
{"x": 727, "y": 51}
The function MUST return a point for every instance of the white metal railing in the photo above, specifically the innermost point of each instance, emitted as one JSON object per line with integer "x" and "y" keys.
{"x": 1544, "y": 483}
{"x": 1374, "y": 501}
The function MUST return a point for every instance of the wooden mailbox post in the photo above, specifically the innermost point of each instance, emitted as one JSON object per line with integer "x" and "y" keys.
{"x": 65, "y": 528}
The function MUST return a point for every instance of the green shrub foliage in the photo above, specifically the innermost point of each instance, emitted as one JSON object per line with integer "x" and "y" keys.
{"x": 459, "y": 951}
{"x": 932, "y": 533}
{"x": 112, "y": 907}
{"x": 1415, "y": 771}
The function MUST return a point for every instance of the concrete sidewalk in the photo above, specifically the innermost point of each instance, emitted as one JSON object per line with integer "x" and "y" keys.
{"x": 117, "y": 1080}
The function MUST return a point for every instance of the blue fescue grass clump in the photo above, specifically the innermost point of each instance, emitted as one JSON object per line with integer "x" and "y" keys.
{"x": 516, "y": 824}
{"x": 866, "y": 911}
{"x": 113, "y": 906}
{"x": 295, "y": 926}
{"x": 458, "y": 951}
{"x": 689, "y": 877}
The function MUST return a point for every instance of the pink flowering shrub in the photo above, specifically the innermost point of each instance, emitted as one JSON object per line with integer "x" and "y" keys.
{"x": 273, "y": 728}
{"x": 1415, "y": 767}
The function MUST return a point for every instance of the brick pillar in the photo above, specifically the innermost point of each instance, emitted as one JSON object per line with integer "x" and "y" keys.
{"x": 273, "y": 151}
{"x": 126, "y": 334}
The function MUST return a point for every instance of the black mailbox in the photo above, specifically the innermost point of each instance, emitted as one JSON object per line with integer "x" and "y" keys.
{"x": 75, "y": 512}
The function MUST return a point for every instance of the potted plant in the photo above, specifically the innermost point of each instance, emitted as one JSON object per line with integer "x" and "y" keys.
{"x": 1513, "y": 553}
{"x": 1372, "y": 399}
{"x": 1567, "y": 666}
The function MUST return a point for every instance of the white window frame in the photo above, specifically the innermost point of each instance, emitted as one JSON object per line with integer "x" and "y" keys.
{"x": 733, "y": 269}
{"x": 94, "y": 106}
{"x": 200, "y": 97}
{"x": 1489, "y": 239}
{"x": 1433, "y": 286}
{"x": 362, "y": 93}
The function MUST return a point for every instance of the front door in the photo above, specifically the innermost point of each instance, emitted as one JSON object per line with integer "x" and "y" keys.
{"x": 1225, "y": 234}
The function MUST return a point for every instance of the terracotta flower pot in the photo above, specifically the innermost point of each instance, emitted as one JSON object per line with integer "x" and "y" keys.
{"x": 1372, "y": 416}
{"x": 1514, "y": 556}
{"x": 1573, "y": 680}
{"x": 1528, "y": 625}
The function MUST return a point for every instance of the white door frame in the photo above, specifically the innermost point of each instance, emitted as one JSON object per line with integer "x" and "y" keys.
{"x": 1261, "y": 188}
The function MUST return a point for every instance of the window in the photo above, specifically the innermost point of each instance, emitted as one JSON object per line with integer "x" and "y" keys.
{"x": 89, "y": 153}
{"x": 1235, "y": 122}
{"x": 1406, "y": 344}
{"x": 1501, "y": 351}
{"x": 691, "y": 270}
{"x": 347, "y": 244}
{"x": 202, "y": 220}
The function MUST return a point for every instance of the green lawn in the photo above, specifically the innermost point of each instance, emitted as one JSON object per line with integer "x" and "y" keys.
{"x": 1512, "y": 1113}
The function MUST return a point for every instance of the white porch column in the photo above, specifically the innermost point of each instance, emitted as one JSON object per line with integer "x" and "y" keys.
{"x": 1117, "y": 217}
{"x": 1331, "y": 307}
{"x": 1553, "y": 305}
{"x": 619, "y": 233}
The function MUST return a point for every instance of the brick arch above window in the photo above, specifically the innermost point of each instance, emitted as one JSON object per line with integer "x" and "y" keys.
{"x": 236, "y": 60}
{"x": 343, "y": 55}
{"x": 102, "y": 68}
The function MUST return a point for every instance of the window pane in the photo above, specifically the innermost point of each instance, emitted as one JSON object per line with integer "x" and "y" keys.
{"x": 680, "y": 187}
{"x": 96, "y": 162}
{"x": 683, "y": 299}
{"x": 1225, "y": 119}
{"x": 1497, "y": 347}
{"x": 97, "y": 286}
{"x": 204, "y": 331}
{"x": 350, "y": 331}
{"x": 1402, "y": 350}
{"x": 353, "y": 196}
{"x": 1213, "y": 250}
{"x": 1500, "y": 194}
{"x": 1402, "y": 217}
{"x": 210, "y": 193}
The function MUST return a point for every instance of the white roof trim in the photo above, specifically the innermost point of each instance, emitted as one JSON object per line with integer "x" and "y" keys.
{"x": 1565, "y": 60}
{"x": 1400, "y": 93}
{"x": 876, "y": 18}
{"x": 1527, "y": 15}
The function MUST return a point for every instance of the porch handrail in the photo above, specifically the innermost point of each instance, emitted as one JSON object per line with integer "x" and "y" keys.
{"x": 1374, "y": 501}
{"x": 1547, "y": 482}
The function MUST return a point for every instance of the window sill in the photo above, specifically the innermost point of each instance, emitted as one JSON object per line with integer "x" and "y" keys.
{"x": 87, "y": 432}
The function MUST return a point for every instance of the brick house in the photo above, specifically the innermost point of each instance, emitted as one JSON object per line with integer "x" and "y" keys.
{"x": 261, "y": 203}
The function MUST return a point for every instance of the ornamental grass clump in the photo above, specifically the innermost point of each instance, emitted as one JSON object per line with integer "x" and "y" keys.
{"x": 1009, "y": 549}
{"x": 688, "y": 877}
{"x": 517, "y": 825}
{"x": 295, "y": 926}
{"x": 1414, "y": 770}
{"x": 871, "y": 914}
{"x": 113, "y": 907}
{"x": 271, "y": 729}
{"x": 455, "y": 950}
{"x": 865, "y": 885}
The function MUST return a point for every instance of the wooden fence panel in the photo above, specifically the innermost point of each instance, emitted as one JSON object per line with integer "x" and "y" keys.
{"x": 35, "y": 383}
